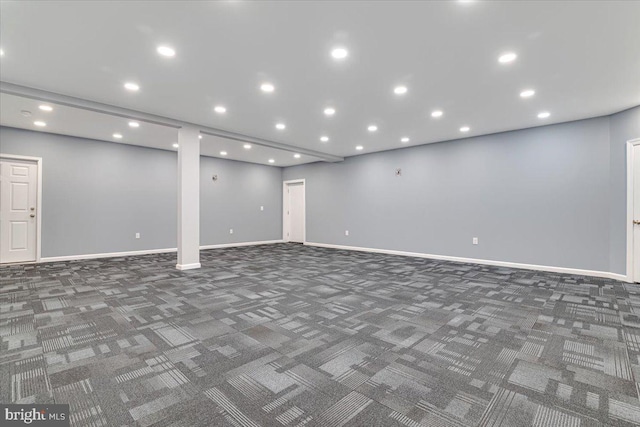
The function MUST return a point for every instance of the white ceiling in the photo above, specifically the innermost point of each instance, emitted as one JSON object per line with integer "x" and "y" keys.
{"x": 88, "y": 124}
{"x": 582, "y": 59}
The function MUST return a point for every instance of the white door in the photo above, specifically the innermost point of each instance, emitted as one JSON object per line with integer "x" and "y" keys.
{"x": 636, "y": 213}
{"x": 296, "y": 212}
{"x": 18, "y": 198}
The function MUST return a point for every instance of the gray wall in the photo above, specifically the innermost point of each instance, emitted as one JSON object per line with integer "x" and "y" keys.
{"x": 536, "y": 196}
{"x": 234, "y": 200}
{"x": 553, "y": 195}
{"x": 97, "y": 195}
{"x": 623, "y": 127}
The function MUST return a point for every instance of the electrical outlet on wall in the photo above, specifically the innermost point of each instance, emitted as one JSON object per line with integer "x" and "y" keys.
{"x": 137, "y": 235}
{"x": 346, "y": 232}
{"x": 231, "y": 231}
{"x": 475, "y": 240}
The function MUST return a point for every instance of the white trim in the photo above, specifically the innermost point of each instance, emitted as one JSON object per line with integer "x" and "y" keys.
{"x": 150, "y": 251}
{"x": 563, "y": 270}
{"x": 285, "y": 208}
{"x": 630, "y": 144}
{"x": 188, "y": 266}
{"x": 620, "y": 277}
{"x": 235, "y": 245}
{"x": 106, "y": 255}
{"x": 38, "y": 161}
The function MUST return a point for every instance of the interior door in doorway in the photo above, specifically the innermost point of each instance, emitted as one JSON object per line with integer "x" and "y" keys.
{"x": 296, "y": 212}
{"x": 18, "y": 198}
{"x": 636, "y": 213}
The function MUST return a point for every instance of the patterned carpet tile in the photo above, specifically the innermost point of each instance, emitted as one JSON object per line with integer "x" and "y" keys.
{"x": 289, "y": 335}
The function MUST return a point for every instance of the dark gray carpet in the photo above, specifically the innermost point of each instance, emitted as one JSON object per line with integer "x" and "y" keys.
{"x": 286, "y": 335}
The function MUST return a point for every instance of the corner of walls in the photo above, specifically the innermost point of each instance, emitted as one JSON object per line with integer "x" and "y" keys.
{"x": 612, "y": 202}
{"x": 609, "y": 268}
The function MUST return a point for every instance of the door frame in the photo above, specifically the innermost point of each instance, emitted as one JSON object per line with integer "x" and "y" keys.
{"x": 38, "y": 162}
{"x": 630, "y": 148}
{"x": 285, "y": 207}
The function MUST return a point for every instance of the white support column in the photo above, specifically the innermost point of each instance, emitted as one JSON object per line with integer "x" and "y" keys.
{"x": 188, "y": 198}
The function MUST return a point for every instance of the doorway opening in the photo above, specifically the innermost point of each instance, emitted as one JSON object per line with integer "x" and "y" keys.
{"x": 20, "y": 206}
{"x": 293, "y": 211}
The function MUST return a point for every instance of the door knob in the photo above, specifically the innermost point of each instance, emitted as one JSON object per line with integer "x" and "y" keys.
{"x": 636, "y": 222}
{"x": 32, "y": 215}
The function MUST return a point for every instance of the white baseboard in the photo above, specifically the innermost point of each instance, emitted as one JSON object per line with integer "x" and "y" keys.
{"x": 106, "y": 255}
{"x": 574, "y": 271}
{"x": 188, "y": 266}
{"x": 621, "y": 277}
{"x": 150, "y": 251}
{"x": 235, "y": 245}
{"x": 563, "y": 270}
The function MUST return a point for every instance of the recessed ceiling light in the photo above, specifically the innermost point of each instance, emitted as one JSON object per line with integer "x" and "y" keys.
{"x": 132, "y": 87}
{"x": 1, "y": 52}
{"x": 271, "y": 161}
{"x": 329, "y": 111}
{"x": 324, "y": 138}
{"x": 436, "y": 113}
{"x": 359, "y": 147}
{"x": 247, "y": 146}
{"x": 339, "y": 53}
{"x": 400, "y": 90}
{"x": 220, "y": 109}
{"x": 166, "y": 51}
{"x": 465, "y": 129}
{"x": 46, "y": 107}
{"x": 223, "y": 153}
{"x": 199, "y": 136}
{"x": 117, "y": 135}
{"x": 405, "y": 139}
{"x": 527, "y": 93}
{"x": 544, "y": 115}
{"x": 267, "y": 87}
{"x": 175, "y": 145}
{"x": 39, "y": 123}
{"x": 505, "y": 58}
{"x": 372, "y": 128}
{"x": 280, "y": 126}
{"x": 297, "y": 156}
{"x": 134, "y": 124}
